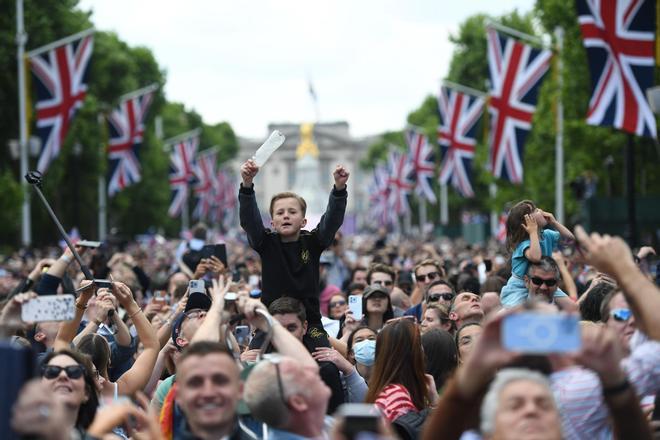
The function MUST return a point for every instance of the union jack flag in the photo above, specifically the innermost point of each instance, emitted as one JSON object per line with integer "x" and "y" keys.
{"x": 60, "y": 74}
{"x": 457, "y": 135}
{"x": 182, "y": 165}
{"x": 225, "y": 201}
{"x": 379, "y": 195}
{"x": 126, "y": 128}
{"x": 500, "y": 235}
{"x": 421, "y": 158}
{"x": 206, "y": 183}
{"x": 620, "y": 40}
{"x": 400, "y": 169}
{"x": 516, "y": 72}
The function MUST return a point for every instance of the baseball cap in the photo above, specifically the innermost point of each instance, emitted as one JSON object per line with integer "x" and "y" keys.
{"x": 196, "y": 300}
{"x": 373, "y": 289}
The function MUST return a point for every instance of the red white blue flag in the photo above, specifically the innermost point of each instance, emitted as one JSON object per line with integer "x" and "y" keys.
{"x": 206, "y": 183}
{"x": 516, "y": 72}
{"x": 126, "y": 130}
{"x": 182, "y": 166}
{"x": 457, "y": 135}
{"x": 400, "y": 183}
{"x": 379, "y": 195}
{"x": 620, "y": 40}
{"x": 60, "y": 72}
{"x": 422, "y": 160}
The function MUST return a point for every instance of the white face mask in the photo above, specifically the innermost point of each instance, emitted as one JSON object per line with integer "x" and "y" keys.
{"x": 365, "y": 352}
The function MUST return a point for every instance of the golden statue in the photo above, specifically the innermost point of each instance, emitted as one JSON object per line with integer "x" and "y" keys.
{"x": 307, "y": 145}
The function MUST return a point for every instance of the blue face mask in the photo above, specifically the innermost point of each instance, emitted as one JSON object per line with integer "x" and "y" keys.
{"x": 365, "y": 352}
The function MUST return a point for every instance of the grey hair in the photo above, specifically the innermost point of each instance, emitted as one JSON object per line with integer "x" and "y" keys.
{"x": 546, "y": 264}
{"x": 502, "y": 379}
{"x": 262, "y": 395}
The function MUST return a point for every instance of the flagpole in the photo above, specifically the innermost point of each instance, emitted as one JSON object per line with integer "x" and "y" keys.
{"x": 422, "y": 215}
{"x": 444, "y": 205}
{"x": 494, "y": 217}
{"x": 559, "y": 140}
{"x": 182, "y": 136}
{"x": 463, "y": 89}
{"x": 102, "y": 191}
{"x": 515, "y": 33}
{"x": 21, "y": 39}
{"x": 60, "y": 42}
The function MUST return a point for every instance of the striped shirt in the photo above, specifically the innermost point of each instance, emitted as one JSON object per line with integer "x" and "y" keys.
{"x": 394, "y": 401}
{"x": 579, "y": 393}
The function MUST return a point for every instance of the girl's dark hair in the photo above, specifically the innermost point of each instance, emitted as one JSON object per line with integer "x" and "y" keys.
{"x": 349, "y": 343}
{"x": 87, "y": 410}
{"x": 96, "y": 347}
{"x": 441, "y": 355}
{"x": 399, "y": 360}
{"x": 515, "y": 233}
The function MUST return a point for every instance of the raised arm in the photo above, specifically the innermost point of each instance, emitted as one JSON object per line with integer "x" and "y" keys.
{"x": 248, "y": 210}
{"x": 210, "y": 329}
{"x": 69, "y": 329}
{"x": 613, "y": 256}
{"x": 333, "y": 217}
{"x": 563, "y": 230}
{"x": 285, "y": 343}
{"x": 137, "y": 377}
{"x": 533, "y": 252}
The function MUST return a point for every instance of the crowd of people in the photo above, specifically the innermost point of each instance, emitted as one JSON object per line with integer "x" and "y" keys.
{"x": 308, "y": 333}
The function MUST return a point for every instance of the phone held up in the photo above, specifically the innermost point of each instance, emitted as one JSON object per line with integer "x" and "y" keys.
{"x": 541, "y": 333}
{"x": 49, "y": 308}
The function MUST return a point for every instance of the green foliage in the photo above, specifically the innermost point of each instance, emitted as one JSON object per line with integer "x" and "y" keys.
{"x": 586, "y": 148}
{"x": 71, "y": 184}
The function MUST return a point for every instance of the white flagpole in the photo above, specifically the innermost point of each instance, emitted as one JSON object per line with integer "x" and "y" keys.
{"x": 559, "y": 140}
{"x": 515, "y": 33}
{"x": 21, "y": 39}
{"x": 60, "y": 42}
{"x": 494, "y": 216}
{"x": 102, "y": 190}
{"x": 444, "y": 205}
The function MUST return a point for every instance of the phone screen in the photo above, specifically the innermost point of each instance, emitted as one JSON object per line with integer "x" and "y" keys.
{"x": 355, "y": 306}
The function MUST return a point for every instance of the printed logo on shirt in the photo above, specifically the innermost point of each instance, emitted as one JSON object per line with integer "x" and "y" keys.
{"x": 304, "y": 256}
{"x": 315, "y": 333}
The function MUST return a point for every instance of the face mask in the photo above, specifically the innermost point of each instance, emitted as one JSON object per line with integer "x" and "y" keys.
{"x": 365, "y": 352}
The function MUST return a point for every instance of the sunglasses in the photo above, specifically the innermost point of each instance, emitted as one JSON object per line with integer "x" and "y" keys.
{"x": 436, "y": 297}
{"x": 538, "y": 281}
{"x": 383, "y": 283}
{"x": 72, "y": 371}
{"x": 431, "y": 276}
{"x": 621, "y": 315}
{"x": 341, "y": 302}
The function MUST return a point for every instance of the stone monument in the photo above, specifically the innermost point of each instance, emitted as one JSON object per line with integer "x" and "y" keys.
{"x": 308, "y": 174}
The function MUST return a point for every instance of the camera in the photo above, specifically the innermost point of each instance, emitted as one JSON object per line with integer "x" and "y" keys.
{"x": 540, "y": 333}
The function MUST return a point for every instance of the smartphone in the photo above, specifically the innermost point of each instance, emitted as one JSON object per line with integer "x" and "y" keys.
{"x": 88, "y": 243}
{"x": 540, "y": 333}
{"x": 103, "y": 284}
{"x": 197, "y": 286}
{"x": 218, "y": 250}
{"x": 242, "y": 334}
{"x": 161, "y": 297}
{"x": 355, "y": 306}
{"x": 49, "y": 308}
{"x": 359, "y": 418}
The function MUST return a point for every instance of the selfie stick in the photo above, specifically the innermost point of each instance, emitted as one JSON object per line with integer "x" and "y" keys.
{"x": 35, "y": 178}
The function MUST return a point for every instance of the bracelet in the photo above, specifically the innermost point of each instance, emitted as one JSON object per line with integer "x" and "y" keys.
{"x": 135, "y": 313}
{"x": 97, "y": 322}
{"x": 616, "y": 389}
{"x": 81, "y": 306}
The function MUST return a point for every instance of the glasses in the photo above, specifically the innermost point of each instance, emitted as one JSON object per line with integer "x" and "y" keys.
{"x": 341, "y": 302}
{"x": 436, "y": 297}
{"x": 431, "y": 276}
{"x": 382, "y": 283}
{"x": 538, "y": 281}
{"x": 621, "y": 315}
{"x": 52, "y": 371}
{"x": 276, "y": 360}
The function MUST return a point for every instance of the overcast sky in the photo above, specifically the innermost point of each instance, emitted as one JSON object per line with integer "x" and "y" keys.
{"x": 371, "y": 61}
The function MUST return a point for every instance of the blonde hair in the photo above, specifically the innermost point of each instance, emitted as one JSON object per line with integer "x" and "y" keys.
{"x": 288, "y": 195}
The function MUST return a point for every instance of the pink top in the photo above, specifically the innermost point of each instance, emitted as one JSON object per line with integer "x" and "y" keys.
{"x": 394, "y": 401}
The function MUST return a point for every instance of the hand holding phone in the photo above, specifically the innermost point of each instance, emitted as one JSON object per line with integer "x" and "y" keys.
{"x": 541, "y": 333}
{"x": 355, "y": 306}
